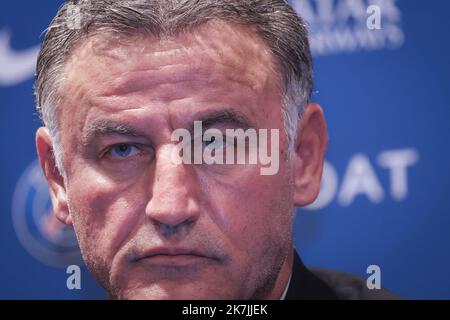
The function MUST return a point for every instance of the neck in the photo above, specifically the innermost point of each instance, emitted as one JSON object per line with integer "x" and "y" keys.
{"x": 283, "y": 277}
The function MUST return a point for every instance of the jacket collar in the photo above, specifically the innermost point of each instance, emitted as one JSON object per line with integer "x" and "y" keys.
{"x": 304, "y": 285}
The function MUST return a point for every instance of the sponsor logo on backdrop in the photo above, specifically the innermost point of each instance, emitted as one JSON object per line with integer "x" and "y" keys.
{"x": 340, "y": 26}
{"x": 15, "y": 66}
{"x": 362, "y": 179}
{"x": 38, "y": 230}
{"x": 337, "y": 26}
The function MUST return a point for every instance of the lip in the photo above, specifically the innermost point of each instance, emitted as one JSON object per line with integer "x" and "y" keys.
{"x": 174, "y": 256}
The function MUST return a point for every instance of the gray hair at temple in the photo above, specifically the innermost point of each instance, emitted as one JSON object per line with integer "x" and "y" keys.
{"x": 283, "y": 31}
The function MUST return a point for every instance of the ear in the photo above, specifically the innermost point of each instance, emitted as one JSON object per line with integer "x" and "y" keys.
{"x": 310, "y": 147}
{"x": 55, "y": 181}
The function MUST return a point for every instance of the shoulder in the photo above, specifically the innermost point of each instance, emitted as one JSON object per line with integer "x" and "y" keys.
{"x": 350, "y": 287}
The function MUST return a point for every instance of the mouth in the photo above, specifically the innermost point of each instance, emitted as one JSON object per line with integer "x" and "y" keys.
{"x": 174, "y": 257}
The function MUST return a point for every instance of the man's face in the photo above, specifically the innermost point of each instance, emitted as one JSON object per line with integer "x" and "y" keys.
{"x": 149, "y": 228}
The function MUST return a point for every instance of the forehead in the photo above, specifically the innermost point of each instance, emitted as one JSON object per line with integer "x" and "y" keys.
{"x": 172, "y": 80}
{"x": 102, "y": 62}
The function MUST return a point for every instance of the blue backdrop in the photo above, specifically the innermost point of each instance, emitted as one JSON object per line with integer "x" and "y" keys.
{"x": 384, "y": 199}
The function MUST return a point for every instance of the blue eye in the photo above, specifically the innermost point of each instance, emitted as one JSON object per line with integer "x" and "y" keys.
{"x": 123, "y": 150}
{"x": 214, "y": 143}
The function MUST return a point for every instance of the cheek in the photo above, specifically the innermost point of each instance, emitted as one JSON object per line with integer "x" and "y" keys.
{"x": 104, "y": 212}
{"x": 252, "y": 210}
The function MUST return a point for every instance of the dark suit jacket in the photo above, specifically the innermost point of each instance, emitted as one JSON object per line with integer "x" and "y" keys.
{"x": 321, "y": 284}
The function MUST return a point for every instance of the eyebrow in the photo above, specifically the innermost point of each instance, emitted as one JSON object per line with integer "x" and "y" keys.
{"x": 107, "y": 127}
{"x": 225, "y": 116}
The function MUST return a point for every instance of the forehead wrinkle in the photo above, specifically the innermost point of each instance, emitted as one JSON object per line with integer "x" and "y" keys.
{"x": 222, "y": 54}
{"x": 235, "y": 52}
{"x": 210, "y": 71}
{"x": 141, "y": 79}
{"x": 181, "y": 77}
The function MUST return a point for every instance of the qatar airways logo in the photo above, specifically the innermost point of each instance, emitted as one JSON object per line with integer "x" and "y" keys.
{"x": 339, "y": 26}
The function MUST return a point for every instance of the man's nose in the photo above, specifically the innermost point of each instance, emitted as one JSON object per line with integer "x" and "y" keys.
{"x": 173, "y": 203}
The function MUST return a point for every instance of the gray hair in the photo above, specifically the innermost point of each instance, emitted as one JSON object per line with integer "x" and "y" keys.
{"x": 283, "y": 31}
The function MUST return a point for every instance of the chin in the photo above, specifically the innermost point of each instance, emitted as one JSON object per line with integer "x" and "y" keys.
{"x": 173, "y": 292}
